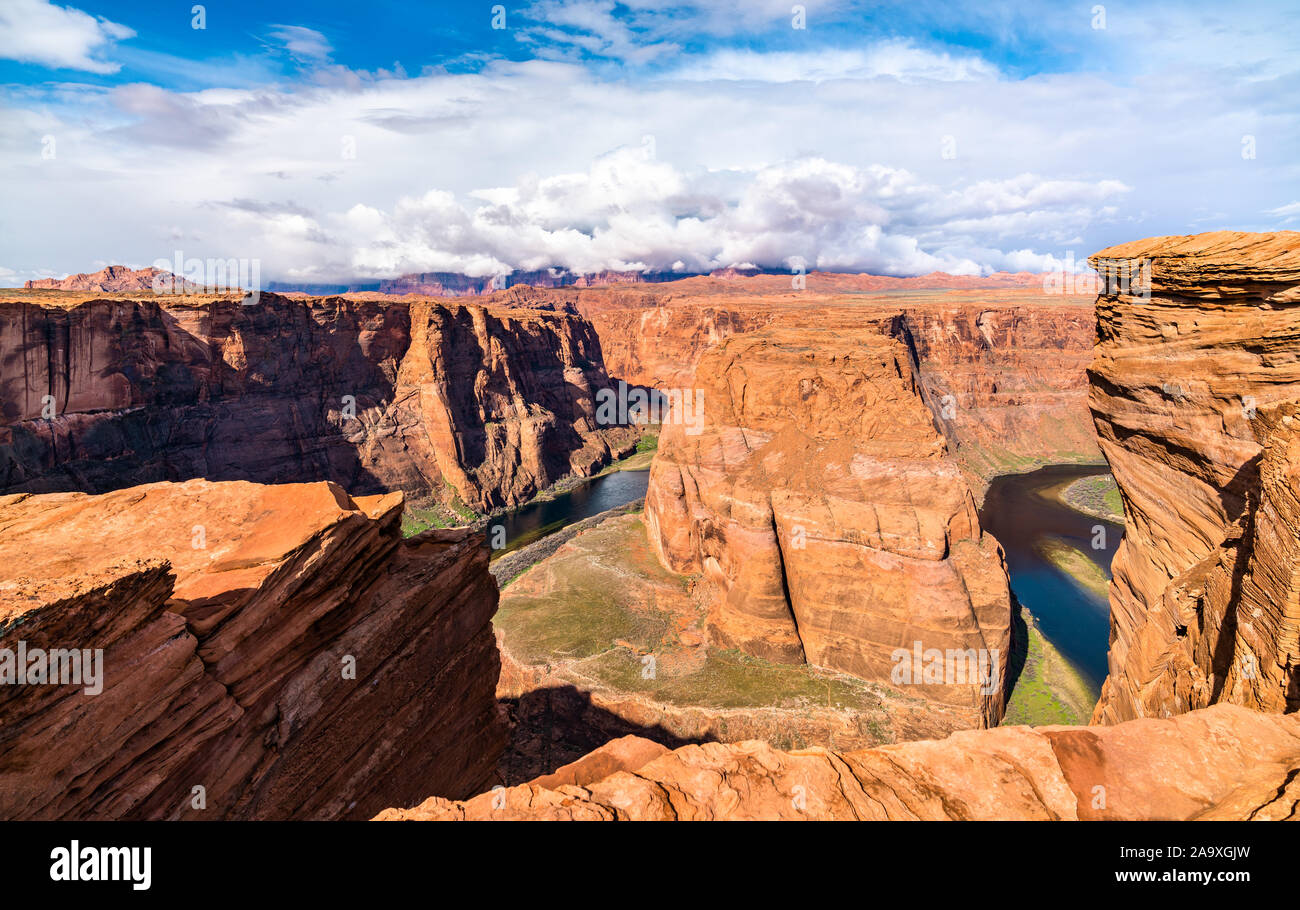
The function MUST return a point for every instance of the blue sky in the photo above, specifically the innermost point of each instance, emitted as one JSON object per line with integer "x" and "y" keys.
{"x": 335, "y": 141}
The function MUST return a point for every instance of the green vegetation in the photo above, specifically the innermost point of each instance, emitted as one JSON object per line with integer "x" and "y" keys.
{"x": 1048, "y": 689}
{"x": 649, "y": 442}
{"x": 451, "y": 512}
{"x": 732, "y": 679}
{"x": 1097, "y": 495}
{"x": 1078, "y": 565}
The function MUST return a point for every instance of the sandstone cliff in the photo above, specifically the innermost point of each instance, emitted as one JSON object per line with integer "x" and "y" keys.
{"x": 1195, "y": 384}
{"x": 438, "y": 400}
{"x": 1222, "y": 763}
{"x": 267, "y": 652}
{"x": 1006, "y": 368}
{"x": 817, "y": 496}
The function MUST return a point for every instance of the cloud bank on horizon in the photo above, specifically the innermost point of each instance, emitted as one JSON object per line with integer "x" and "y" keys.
{"x": 335, "y": 145}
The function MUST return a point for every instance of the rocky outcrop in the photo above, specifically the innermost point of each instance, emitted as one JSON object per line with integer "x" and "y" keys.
{"x": 266, "y": 652}
{"x": 1195, "y": 385}
{"x": 816, "y": 494}
{"x": 438, "y": 400}
{"x": 1222, "y": 763}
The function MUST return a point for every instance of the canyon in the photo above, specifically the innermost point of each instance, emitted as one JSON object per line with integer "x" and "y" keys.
{"x": 819, "y": 500}
{"x": 1004, "y": 367}
{"x": 730, "y": 650}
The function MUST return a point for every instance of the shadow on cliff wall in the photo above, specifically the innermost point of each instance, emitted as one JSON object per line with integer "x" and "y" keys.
{"x": 553, "y": 726}
{"x": 1019, "y": 648}
{"x": 1240, "y": 499}
{"x": 275, "y": 417}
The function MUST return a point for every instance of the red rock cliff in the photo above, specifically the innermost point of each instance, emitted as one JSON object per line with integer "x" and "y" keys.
{"x": 280, "y": 647}
{"x": 1195, "y": 385}
{"x": 492, "y": 405}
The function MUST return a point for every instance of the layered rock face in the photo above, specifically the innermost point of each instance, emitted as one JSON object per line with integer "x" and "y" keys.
{"x": 1195, "y": 388}
{"x": 436, "y": 400}
{"x": 816, "y": 494}
{"x": 1006, "y": 368}
{"x": 1223, "y": 763}
{"x": 267, "y": 652}
{"x": 1009, "y": 379}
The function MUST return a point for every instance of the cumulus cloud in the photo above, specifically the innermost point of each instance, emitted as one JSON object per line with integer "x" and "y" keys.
{"x": 37, "y": 31}
{"x": 628, "y": 211}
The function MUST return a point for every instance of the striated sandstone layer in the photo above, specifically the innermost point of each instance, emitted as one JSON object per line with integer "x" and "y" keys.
{"x": 1195, "y": 385}
{"x": 1222, "y": 763}
{"x": 280, "y": 647}
{"x": 817, "y": 497}
{"x": 442, "y": 401}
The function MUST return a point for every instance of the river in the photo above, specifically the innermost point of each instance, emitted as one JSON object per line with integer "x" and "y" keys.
{"x": 537, "y": 519}
{"x": 1020, "y": 511}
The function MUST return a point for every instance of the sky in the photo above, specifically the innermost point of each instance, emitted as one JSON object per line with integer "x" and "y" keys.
{"x": 340, "y": 142}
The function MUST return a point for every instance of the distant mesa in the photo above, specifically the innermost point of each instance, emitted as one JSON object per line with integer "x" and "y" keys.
{"x": 115, "y": 278}
{"x": 121, "y": 278}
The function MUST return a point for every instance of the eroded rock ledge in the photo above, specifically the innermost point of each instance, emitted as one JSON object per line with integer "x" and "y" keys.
{"x": 1221, "y": 763}
{"x": 230, "y": 615}
{"x": 1195, "y": 393}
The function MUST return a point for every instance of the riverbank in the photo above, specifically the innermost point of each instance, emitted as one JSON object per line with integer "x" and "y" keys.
{"x": 1048, "y": 688}
{"x": 509, "y": 566}
{"x": 1097, "y": 496}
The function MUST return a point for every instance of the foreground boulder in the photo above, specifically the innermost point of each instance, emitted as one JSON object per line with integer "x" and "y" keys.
{"x": 1195, "y": 386}
{"x": 815, "y": 493}
{"x": 1223, "y": 763}
{"x": 265, "y": 652}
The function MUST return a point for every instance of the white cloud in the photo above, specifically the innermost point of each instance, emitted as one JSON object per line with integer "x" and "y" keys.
{"x": 303, "y": 44}
{"x": 630, "y": 212}
{"x": 900, "y": 60}
{"x": 1288, "y": 213}
{"x": 37, "y": 31}
{"x": 589, "y": 27}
